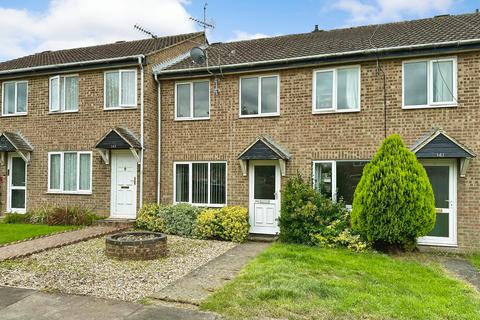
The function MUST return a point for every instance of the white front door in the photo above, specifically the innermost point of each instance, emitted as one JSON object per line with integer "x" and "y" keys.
{"x": 443, "y": 178}
{"x": 264, "y": 196}
{"x": 124, "y": 185}
{"x": 16, "y": 184}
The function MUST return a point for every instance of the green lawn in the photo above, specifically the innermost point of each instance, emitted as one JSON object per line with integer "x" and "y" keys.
{"x": 298, "y": 282}
{"x": 18, "y": 231}
{"x": 475, "y": 259}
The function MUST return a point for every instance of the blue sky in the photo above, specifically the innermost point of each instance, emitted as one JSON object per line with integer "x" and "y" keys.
{"x": 30, "y": 26}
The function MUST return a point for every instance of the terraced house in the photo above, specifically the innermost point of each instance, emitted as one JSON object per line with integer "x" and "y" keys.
{"x": 78, "y": 126}
{"x": 235, "y": 126}
{"x": 118, "y": 125}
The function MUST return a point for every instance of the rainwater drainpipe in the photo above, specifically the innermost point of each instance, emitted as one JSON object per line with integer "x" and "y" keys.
{"x": 140, "y": 63}
{"x": 159, "y": 137}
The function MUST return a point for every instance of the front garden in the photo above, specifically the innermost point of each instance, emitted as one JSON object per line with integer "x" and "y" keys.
{"x": 21, "y": 231}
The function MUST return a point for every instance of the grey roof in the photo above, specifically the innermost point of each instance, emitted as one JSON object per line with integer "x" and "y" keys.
{"x": 434, "y": 133}
{"x": 430, "y": 31}
{"x": 126, "y": 135}
{"x": 17, "y": 141}
{"x": 264, "y": 147}
{"x": 98, "y": 52}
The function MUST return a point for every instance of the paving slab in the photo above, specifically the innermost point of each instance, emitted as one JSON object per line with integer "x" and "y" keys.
{"x": 30, "y": 247}
{"x": 464, "y": 270}
{"x": 35, "y": 305}
{"x": 200, "y": 283}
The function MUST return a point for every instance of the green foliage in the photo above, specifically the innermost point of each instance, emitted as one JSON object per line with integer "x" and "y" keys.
{"x": 180, "y": 219}
{"x": 308, "y": 217}
{"x": 70, "y": 216}
{"x": 16, "y": 218}
{"x": 227, "y": 223}
{"x": 39, "y": 216}
{"x": 148, "y": 218}
{"x": 394, "y": 203}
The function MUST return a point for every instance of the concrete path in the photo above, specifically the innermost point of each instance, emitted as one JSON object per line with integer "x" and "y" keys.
{"x": 464, "y": 270}
{"x": 21, "y": 304}
{"x": 27, "y": 248}
{"x": 200, "y": 283}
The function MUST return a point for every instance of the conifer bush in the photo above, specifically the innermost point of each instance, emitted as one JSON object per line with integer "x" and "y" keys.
{"x": 393, "y": 203}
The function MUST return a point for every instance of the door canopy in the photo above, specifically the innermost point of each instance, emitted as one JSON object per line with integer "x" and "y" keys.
{"x": 264, "y": 148}
{"x": 15, "y": 142}
{"x": 437, "y": 144}
{"x": 118, "y": 138}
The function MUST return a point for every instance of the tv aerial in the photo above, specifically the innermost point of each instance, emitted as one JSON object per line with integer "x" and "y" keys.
{"x": 145, "y": 31}
{"x": 203, "y": 22}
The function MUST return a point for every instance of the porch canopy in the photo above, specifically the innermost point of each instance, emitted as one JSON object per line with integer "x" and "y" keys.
{"x": 118, "y": 138}
{"x": 15, "y": 142}
{"x": 264, "y": 148}
{"x": 437, "y": 144}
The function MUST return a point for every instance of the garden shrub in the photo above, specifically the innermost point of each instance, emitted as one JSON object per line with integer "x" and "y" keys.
{"x": 227, "y": 223}
{"x": 394, "y": 203}
{"x": 16, "y": 218}
{"x": 148, "y": 218}
{"x": 39, "y": 216}
{"x": 180, "y": 219}
{"x": 308, "y": 217}
{"x": 75, "y": 216}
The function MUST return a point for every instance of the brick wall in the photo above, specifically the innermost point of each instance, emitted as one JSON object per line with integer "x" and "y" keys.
{"x": 340, "y": 136}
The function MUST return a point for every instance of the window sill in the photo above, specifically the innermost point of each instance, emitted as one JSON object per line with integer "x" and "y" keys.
{"x": 430, "y": 106}
{"x": 330, "y": 111}
{"x": 269, "y": 115}
{"x": 15, "y": 115}
{"x": 62, "y": 112}
{"x": 87, "y": 193}
{"x": 204, "y": 205}
{"x": 120, "y": 108}
{"x": 191, "y": 119}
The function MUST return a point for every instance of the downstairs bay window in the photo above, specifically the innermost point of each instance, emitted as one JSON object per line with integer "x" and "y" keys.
{"x": 338, "y": 179}
{"x": 201, "y": 183}
{"x": 70, "y": 172}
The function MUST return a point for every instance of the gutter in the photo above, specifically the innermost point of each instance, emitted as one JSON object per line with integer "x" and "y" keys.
{"x": 159, "y": 136}
{"x": 71, "y": 64}
{"x": 140, "y": 63}
{"x": 319, "y": 56}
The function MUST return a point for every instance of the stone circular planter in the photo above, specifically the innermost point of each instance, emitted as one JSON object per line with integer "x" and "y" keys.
{"x": 136, "y": 245}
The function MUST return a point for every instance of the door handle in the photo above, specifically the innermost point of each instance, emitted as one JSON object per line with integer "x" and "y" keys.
{"x": 134, "y": 181}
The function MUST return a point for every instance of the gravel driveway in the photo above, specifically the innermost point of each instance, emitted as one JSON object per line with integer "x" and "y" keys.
{"x": 83, "y": 268}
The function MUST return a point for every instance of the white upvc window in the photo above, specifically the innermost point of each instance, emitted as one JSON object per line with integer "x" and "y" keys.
{"x": 429, "y": 83}
{"x": 259, "y": 96}
{"x": 64, "y": 93}
{"x": 192, "y": 100}
{"x": 120, "y": 88}
{"x": 336, "y": 90}
{"x": 201, "y": 183}
{"x": 14, "y": 98}
{"x": 338, "y": 179}
{"x": 70, "y": 172}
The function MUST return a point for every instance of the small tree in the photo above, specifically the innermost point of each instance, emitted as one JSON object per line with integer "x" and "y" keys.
{"x": 394, "y": 203}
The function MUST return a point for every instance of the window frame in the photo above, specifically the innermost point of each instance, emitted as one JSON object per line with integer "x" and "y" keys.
{"x": 120, "y": 105}
{"x": 190, "y": 165}
{"x": 430, "y": 102}
{"x": 16, "y": 82}
{"x": 334, "y": 174}
{"x": 259, "y": 98}
{"x": 334, "y": 108}
{"x": 61, "y": 190}
{"x": 60, "y": 95}
{"x": 192, "y": 103}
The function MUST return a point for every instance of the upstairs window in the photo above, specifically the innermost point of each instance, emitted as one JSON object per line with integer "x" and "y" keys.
{"x": 201, "y": 183}
{"x": 70, "y": 172}
{"x": 259, "y": 96}
{"x": 192, "y": 101}
{"x": 430, "y": 83}
{"x": 64, "y": 93}
{"x": 120, "y": 89}
{"x": 15, "y": 95}
{"x": 336, "y": 90}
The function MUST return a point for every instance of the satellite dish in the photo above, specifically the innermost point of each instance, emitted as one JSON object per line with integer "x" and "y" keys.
{"x": 197, "y": 55}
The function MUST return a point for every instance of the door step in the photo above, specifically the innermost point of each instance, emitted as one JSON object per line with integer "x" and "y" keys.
{"x": 116, "y": 222}
{"x": 255, "y": 237}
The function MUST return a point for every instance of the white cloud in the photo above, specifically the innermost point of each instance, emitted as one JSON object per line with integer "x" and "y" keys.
{"x": 242, "y": 35}
{"x": 362, "y": 12}
{"x": 76, "y": 23}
